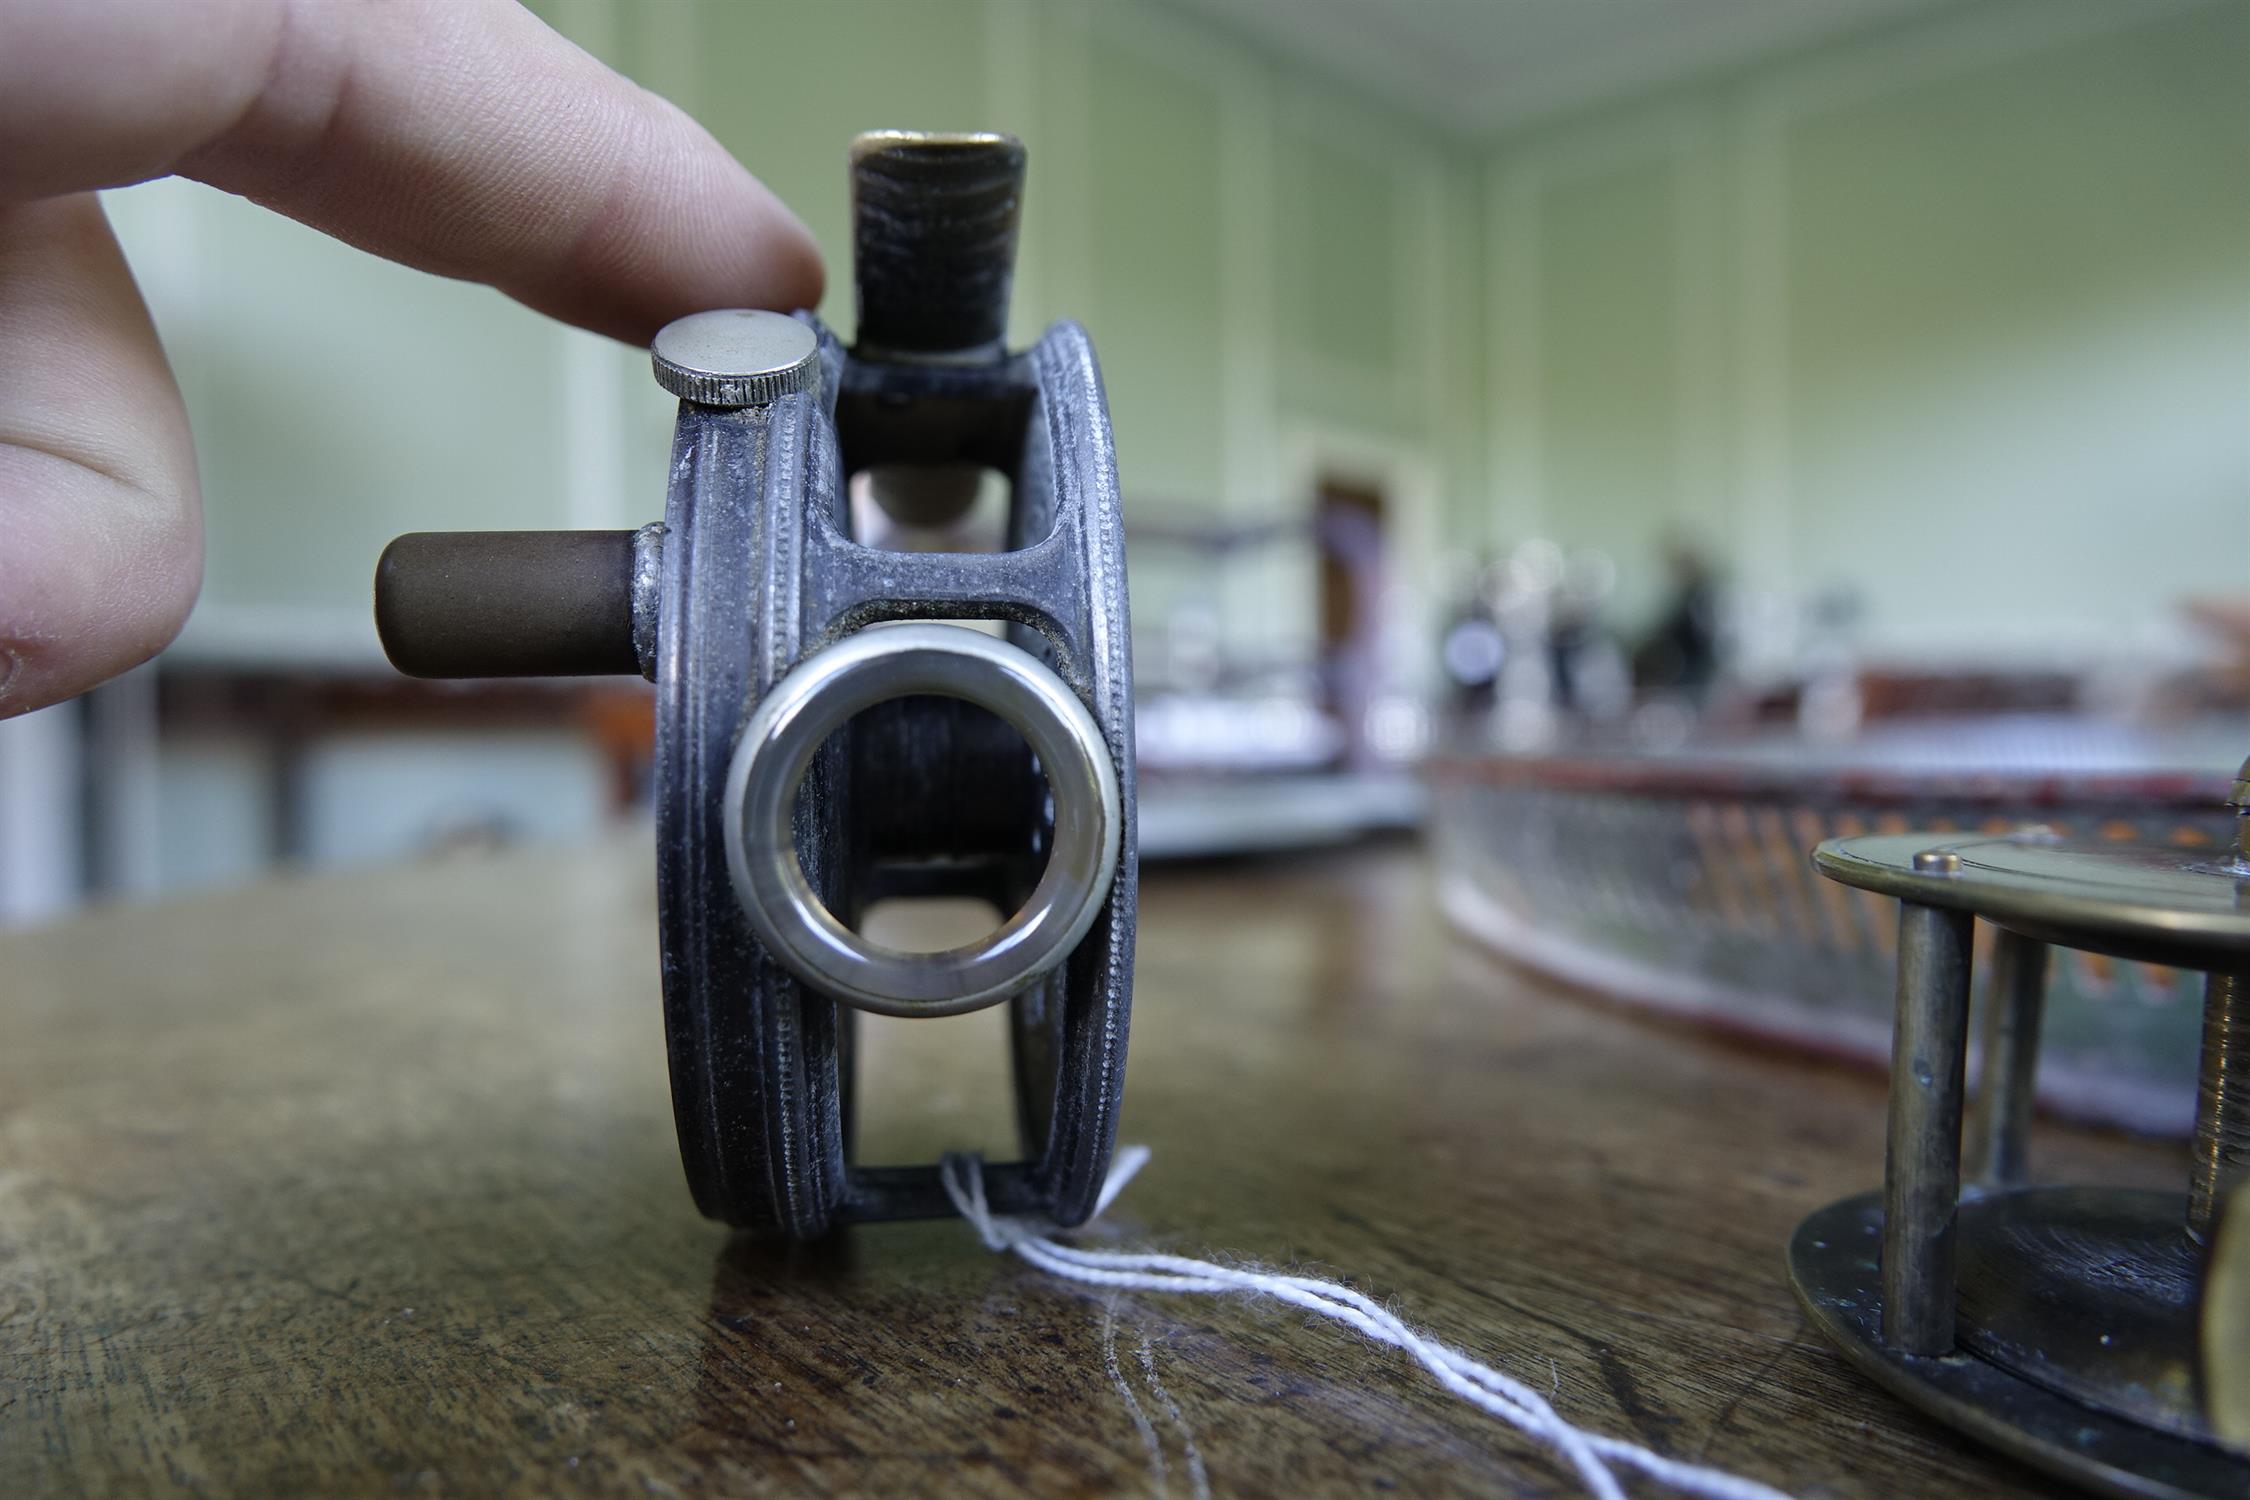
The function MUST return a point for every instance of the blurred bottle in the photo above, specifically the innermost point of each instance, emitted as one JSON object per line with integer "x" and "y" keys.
{"x": 1470, "y": 647}
{"x": 1680, "y": 654}
{"x": 1830, "y": 704}
{"x": 1521, "y": 593}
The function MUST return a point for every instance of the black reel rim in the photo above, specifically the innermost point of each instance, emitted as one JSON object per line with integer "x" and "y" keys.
{"x": 758, "y": 574}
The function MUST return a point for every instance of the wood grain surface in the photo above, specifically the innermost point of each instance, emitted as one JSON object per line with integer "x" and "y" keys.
{"x": 367, "y": 1186}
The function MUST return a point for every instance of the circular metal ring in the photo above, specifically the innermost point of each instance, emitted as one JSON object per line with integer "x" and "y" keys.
{"x": 815, "y": 700}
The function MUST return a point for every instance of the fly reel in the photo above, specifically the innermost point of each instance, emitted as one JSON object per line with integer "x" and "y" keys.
{"x": 2091, "y": 1331}
{"x": 824, "y": 738}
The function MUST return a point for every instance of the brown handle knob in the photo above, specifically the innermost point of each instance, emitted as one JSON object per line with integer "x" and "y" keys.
{"x": 934, "y": 242}
{"x": 508, "y": 603}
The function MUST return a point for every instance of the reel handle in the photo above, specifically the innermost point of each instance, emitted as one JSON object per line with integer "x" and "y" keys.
{"x": 519, "y": 603}
{"x": 934, "y": 221}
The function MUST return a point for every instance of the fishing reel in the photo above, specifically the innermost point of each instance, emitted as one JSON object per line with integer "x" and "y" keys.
{"x": 829, "y": 731}
{"x": 2094, "y": 1331}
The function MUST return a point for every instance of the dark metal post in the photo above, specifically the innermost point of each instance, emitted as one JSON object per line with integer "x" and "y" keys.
{"x": 2000, "y": 1130}
{"x": 2221, "y": 1153}
{"x": 2220, "y": 1158}
{"x": 1922, "y": 1157}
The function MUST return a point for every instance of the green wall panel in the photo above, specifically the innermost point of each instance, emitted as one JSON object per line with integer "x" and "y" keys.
{"x": 1342, "y": 289}
{"x": 1154, "y": 251}
{"x": 1609, "y": 394}
{"x": 2019, "y": 335}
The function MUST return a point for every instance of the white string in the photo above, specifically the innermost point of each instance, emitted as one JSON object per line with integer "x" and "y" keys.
{"x": 1513, "y": 1402}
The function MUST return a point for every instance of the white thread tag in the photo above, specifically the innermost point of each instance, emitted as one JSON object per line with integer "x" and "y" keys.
{"x": 1502, "y": 1396}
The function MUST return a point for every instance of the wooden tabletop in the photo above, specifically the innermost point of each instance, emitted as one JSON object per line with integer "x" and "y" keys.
{"x": 367, "y": 1186}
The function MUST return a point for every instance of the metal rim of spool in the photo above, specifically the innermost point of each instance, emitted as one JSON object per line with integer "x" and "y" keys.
{"x": 757, "y": 1091}
{"x": 2056, "y": 1324}
{"x": 816, "y": 698}
{"x": 2128, "y": 901}
{"x": 1835, "y": 1271}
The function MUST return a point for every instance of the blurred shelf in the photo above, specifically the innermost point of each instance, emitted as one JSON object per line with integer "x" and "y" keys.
{"x": 1199, "y": 818}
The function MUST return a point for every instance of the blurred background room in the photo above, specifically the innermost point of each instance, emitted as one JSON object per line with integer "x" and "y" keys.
{"x": 1657, "y": 435}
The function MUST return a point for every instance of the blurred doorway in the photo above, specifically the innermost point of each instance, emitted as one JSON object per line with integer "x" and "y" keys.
{"x": 1349, "y": 515}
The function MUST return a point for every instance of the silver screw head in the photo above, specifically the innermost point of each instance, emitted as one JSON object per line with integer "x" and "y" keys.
{"x": 1937, "y": 862}
{"x": 735, "y": 356}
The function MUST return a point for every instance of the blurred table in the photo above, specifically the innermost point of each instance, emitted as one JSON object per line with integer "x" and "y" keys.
{"x": 367, "y": 1186}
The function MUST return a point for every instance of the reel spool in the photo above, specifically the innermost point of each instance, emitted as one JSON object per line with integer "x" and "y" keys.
{"x": 2080, "y": 1329}
{"x": 814, "y": 754}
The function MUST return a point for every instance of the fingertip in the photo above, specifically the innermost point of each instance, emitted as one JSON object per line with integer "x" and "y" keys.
{"x": 471, "y": 140}
{"x": 101, "y": 543}
{"x": 103, "y": 580}
{"x": 799, "y": 265}
{"x": 683, "y": 227}
{"x": 732, "y": 241}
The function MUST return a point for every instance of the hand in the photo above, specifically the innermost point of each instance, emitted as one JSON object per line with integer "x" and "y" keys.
{"x": 458, "y": 136}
